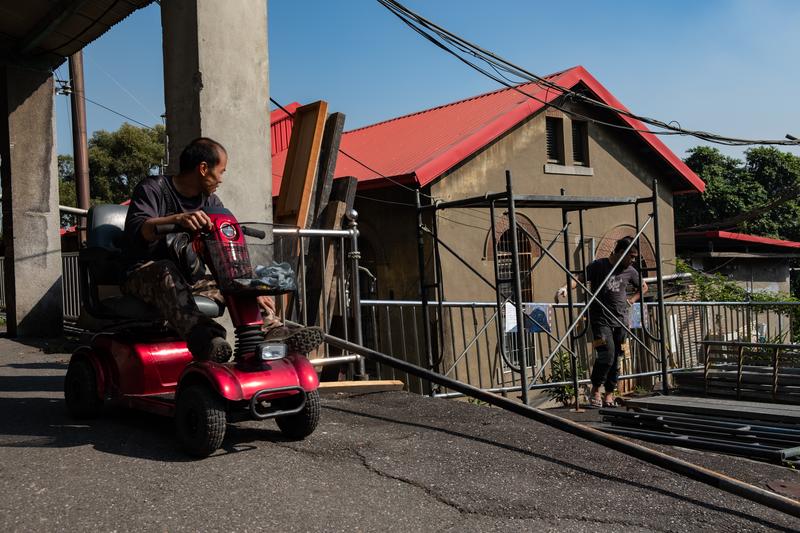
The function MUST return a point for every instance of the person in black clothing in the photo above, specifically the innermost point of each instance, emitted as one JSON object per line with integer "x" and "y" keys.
{"x": 617, "y": 295}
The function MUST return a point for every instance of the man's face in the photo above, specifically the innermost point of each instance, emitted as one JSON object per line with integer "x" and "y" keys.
{"x": 211, "y": 177}
{"x": 632, "y": 257}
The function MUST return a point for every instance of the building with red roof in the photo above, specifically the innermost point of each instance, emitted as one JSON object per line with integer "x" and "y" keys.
{"x": 463, "y": 149}
{"x": 756, "y": 263}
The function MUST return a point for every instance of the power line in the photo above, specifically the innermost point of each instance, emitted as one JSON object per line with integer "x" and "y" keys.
{"x": 124, "y": 89}
{"x": 66, "y": 88}
{"x": 356, "y": 160}
{"x": 441, "y": 37}
{"x": 475, "y": 214}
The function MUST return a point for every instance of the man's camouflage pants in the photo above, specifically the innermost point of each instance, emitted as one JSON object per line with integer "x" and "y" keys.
{"x": 161, "y": 285}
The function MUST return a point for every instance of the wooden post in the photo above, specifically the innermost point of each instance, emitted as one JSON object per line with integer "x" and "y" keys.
{"x": 299, "y": 175}
{"x": 328, "y": 155}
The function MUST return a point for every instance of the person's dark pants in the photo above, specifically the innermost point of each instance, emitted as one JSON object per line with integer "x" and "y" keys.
{"x": 607, "y": 345}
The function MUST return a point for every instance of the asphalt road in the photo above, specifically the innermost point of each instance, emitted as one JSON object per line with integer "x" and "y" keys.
{"x": 378, "y": 462}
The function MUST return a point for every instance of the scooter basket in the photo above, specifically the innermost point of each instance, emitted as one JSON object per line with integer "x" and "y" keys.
{"x": 267, "y": 266}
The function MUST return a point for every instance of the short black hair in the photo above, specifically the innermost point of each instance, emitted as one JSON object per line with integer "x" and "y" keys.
{"x": 201, "y": 150}
{"x": 623, "y": 244}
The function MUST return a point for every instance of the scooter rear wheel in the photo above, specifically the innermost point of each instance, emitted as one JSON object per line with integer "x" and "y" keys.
{"x": 302, "y": 424}
{"x": 200, "y": 420}
{"x": 80, "y": 390}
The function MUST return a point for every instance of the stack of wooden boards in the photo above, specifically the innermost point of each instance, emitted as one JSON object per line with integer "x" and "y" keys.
{"x": 765, "y": 431}
{"x": 310, "y": 199}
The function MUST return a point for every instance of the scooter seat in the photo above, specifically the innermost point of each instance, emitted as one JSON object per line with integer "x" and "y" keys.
{"x": 130, "y": 308}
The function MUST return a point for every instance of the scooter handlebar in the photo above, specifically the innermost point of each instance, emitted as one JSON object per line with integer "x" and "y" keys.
{"x": 253, "y": 232}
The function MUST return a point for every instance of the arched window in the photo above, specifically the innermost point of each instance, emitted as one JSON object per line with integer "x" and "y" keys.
{"x": 609, "y": 241}
{"x": 527, "y": 237}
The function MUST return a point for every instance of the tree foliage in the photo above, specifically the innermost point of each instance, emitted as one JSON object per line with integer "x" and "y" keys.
{"x": 715, "y": 287}
{"x": 118, "y": 161}
{"x": 734, "y": 187}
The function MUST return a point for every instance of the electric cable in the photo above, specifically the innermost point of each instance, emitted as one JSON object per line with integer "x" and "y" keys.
{"x": 66, "y": 86}
{"x": 431, "y": 31}
{"x": 358, "y": 161}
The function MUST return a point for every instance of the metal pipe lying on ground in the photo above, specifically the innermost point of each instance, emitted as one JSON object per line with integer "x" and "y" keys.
{"x": 679, "y": 466}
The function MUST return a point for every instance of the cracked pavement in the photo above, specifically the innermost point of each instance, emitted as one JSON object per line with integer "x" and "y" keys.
{"x": 377, "y": 462}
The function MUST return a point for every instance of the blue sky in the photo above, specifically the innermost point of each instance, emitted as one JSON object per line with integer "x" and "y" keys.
{"x": 728, "y": 67}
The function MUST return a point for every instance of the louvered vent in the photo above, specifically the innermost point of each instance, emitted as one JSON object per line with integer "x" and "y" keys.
{"x": 555, "y": 140}
{"x": 580, "y": 143}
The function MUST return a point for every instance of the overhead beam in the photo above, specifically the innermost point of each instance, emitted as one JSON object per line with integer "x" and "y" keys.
{"x": 54, "y": 18}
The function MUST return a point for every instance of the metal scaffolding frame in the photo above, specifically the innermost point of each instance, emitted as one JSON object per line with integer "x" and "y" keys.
{"x": 567, "y": 205}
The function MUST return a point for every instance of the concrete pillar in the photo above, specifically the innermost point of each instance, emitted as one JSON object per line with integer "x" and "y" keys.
{"x": 216, "y": 85}
{"x": 30, "y": 203}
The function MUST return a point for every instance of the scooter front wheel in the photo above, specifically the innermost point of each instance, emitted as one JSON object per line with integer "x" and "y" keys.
{"x": 200, "y": 420}
{"x": 302, "y": 424}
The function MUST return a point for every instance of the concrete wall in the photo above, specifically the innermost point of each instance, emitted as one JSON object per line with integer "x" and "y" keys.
{"x": 753, "y": 274}
{"x": 387, "y": 224}
{"x": 30, "y": 203}
{"x": 216, "y": 84}
{"x": 618, "y": 170}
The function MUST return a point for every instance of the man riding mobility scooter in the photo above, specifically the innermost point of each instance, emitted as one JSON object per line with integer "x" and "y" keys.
{"x": 134, "y": 361}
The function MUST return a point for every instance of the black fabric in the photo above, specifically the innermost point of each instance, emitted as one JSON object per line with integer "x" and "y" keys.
{"x": 608, "y": 350}
{"x": 181, "y": 252}
{"x": 156, "y": 197}
{"x": 614, "y": 294}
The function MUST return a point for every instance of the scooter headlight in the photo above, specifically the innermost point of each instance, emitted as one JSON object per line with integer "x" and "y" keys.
{"x": 270, "y": 351}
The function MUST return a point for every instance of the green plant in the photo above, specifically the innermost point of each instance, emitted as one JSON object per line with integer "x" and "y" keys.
{"x": 560, "y": 371}
{"x": 717, "y": 288}
{"x": 475, "y": 401}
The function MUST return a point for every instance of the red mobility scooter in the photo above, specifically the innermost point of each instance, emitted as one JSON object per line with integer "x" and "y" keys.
{"x": 133, "y": 360}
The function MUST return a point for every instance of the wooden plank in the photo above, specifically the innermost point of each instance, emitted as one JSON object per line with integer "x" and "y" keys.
{"x": 342, "y": 199}
{"x": 299, "y": 175}
{"x": 321, "y": 271}
{"x": 386, "y": 385}
{"x": 329, "y": 152}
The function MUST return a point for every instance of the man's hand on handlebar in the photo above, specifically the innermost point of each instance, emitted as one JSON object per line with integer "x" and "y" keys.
{"x": 194, "y": 221}
{"x": 154, "y": 228}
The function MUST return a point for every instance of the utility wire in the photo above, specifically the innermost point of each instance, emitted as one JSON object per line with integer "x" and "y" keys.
{"x": 66, "y": 88}
{"x": 447, "y": 40}
{"x": 358, "y": 161}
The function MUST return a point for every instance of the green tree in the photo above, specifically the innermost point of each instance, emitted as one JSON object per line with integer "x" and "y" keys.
{"x": 118, "y": 161}
{"x": 757, "y": 196}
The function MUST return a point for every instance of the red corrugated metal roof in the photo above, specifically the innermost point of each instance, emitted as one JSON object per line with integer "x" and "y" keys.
{"x": 739, "y": 237}
{"x": 420, "y": 147}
